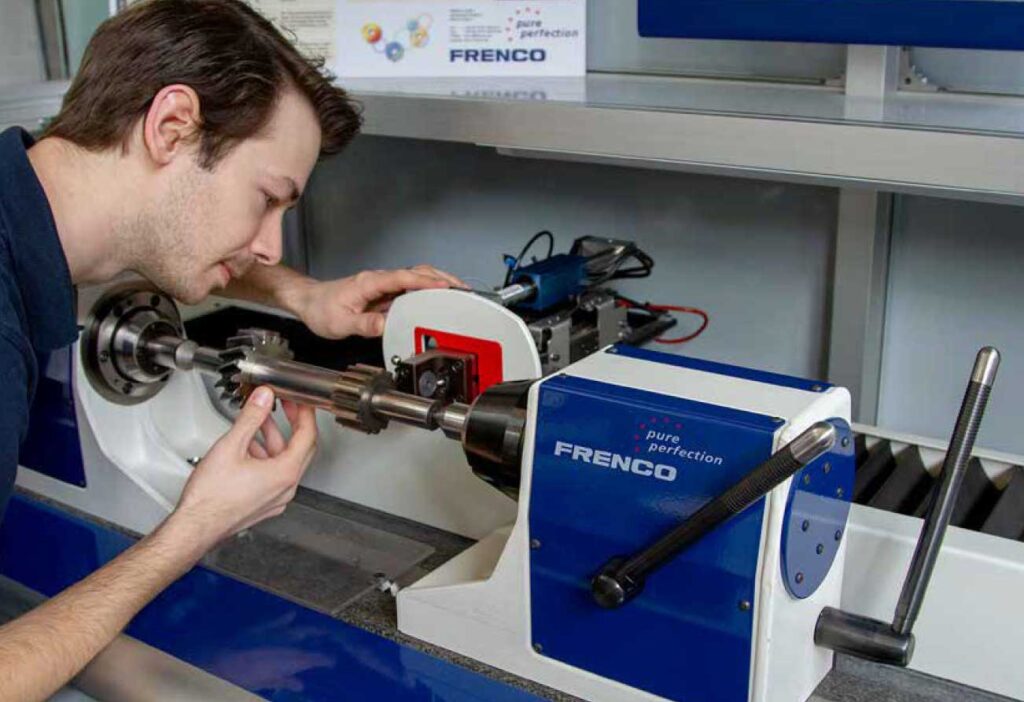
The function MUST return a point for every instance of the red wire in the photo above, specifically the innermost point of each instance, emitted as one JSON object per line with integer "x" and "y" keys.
{"x": 676, "y": 308}
{"x": 687, "y": 310}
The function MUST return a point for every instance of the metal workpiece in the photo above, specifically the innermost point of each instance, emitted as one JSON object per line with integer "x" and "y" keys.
{"x": 360, "y": 397}
{"x": 164, "y": 349}
{"x": 244, "y": 365}
{"x": 356, "y": 392}
{"x": 182, "y": 354}
{"x": 263, "y": 341}
{"x": 135, "y": 340}
{"x": 623, "y": 577}
{"x": 290, "y": 380}
{"x": 894, "y": 643}
{"x": 451, "y": 419}
{"x": 405, "y": 408}
{"x": 189, "y": 356}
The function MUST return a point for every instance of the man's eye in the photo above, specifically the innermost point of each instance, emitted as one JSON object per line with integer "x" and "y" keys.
{"x": 269, "y": 200}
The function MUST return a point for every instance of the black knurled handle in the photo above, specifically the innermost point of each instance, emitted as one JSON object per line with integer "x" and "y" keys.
{"x": 621, "y": 578}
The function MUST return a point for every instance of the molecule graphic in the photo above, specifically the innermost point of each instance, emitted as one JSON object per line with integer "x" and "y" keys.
{"x": 415, "y": 33}
{"x": 394, "y": 51}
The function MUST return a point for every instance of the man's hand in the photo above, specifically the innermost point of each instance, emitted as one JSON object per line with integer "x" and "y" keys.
{"x": 241, "y": 481}
{"x": 337, "y": 308}
{"x": 356, "y": 305}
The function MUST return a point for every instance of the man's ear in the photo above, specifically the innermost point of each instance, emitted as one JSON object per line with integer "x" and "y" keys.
{"x": 171, "y": 124}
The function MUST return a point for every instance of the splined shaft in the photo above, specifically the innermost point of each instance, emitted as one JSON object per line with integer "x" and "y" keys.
{"x": 361, "y": 397}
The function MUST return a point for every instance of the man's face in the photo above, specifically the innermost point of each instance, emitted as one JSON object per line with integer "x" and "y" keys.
{"x": 205, "y": 227}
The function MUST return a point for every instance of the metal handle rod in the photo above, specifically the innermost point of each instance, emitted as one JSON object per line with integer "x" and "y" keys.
{"x": 620, "y": 579}
{"x": 953, "y": 469}
{"x": 737, "y": 498}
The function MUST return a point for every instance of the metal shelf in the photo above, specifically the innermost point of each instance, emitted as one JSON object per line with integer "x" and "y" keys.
{"x": 937, "y": 144}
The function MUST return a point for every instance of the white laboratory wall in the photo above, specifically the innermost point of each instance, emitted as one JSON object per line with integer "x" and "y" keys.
{"x": 755, "y": 255}
{"x": 21, "y": 54}
{"x": 956, "y": 284}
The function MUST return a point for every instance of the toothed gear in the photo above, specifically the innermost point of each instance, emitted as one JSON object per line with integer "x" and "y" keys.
{"x": 267, "y": 343}
{"x": 250, "y": 345}
{"x": 353, "y": 395}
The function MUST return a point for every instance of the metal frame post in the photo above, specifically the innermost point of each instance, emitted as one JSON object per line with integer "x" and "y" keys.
{"x": 860, "y": 273}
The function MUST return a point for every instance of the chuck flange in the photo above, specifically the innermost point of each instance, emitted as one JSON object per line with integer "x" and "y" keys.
{"x": 115, "y": 338}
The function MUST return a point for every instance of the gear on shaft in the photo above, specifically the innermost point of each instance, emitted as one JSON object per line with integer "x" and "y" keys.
{"x": 353, "y": 397}
{"x": 247, "y": 345}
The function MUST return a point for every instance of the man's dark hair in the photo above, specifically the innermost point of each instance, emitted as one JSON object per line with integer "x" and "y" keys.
{"x": 236, "y": 61}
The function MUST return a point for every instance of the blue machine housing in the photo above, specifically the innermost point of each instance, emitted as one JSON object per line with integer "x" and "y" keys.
{"x": 614, "y": 468}
{"x": 969, "y": 24}
{"x": 555, "y": 280}
{"x": 689, "y": 634}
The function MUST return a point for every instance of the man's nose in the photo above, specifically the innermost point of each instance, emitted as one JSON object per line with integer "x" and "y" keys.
{"x": 267, "y": 247}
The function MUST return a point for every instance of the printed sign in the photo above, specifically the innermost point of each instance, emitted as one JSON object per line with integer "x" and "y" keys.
{"x": 309, "y": 23}
{"x": 470, "y": 38}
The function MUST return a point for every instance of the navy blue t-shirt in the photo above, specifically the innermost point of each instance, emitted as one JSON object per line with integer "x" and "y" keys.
{"x": 37, "y": 299}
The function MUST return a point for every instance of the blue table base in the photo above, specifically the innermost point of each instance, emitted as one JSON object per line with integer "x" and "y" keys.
{"x": 254, "y": 639}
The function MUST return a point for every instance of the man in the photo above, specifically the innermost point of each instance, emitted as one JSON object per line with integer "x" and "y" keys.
{"x": 190, "y": 128}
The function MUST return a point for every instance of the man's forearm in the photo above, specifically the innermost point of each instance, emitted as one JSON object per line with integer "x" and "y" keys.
{"x": 277, "y": 286}
{"x": 42, "y": 650}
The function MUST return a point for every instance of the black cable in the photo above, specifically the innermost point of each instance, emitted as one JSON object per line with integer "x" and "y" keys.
{"x": 551, "y": 249}
{"x": 615, "y": 271}
{"x": 641, "y": 271}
